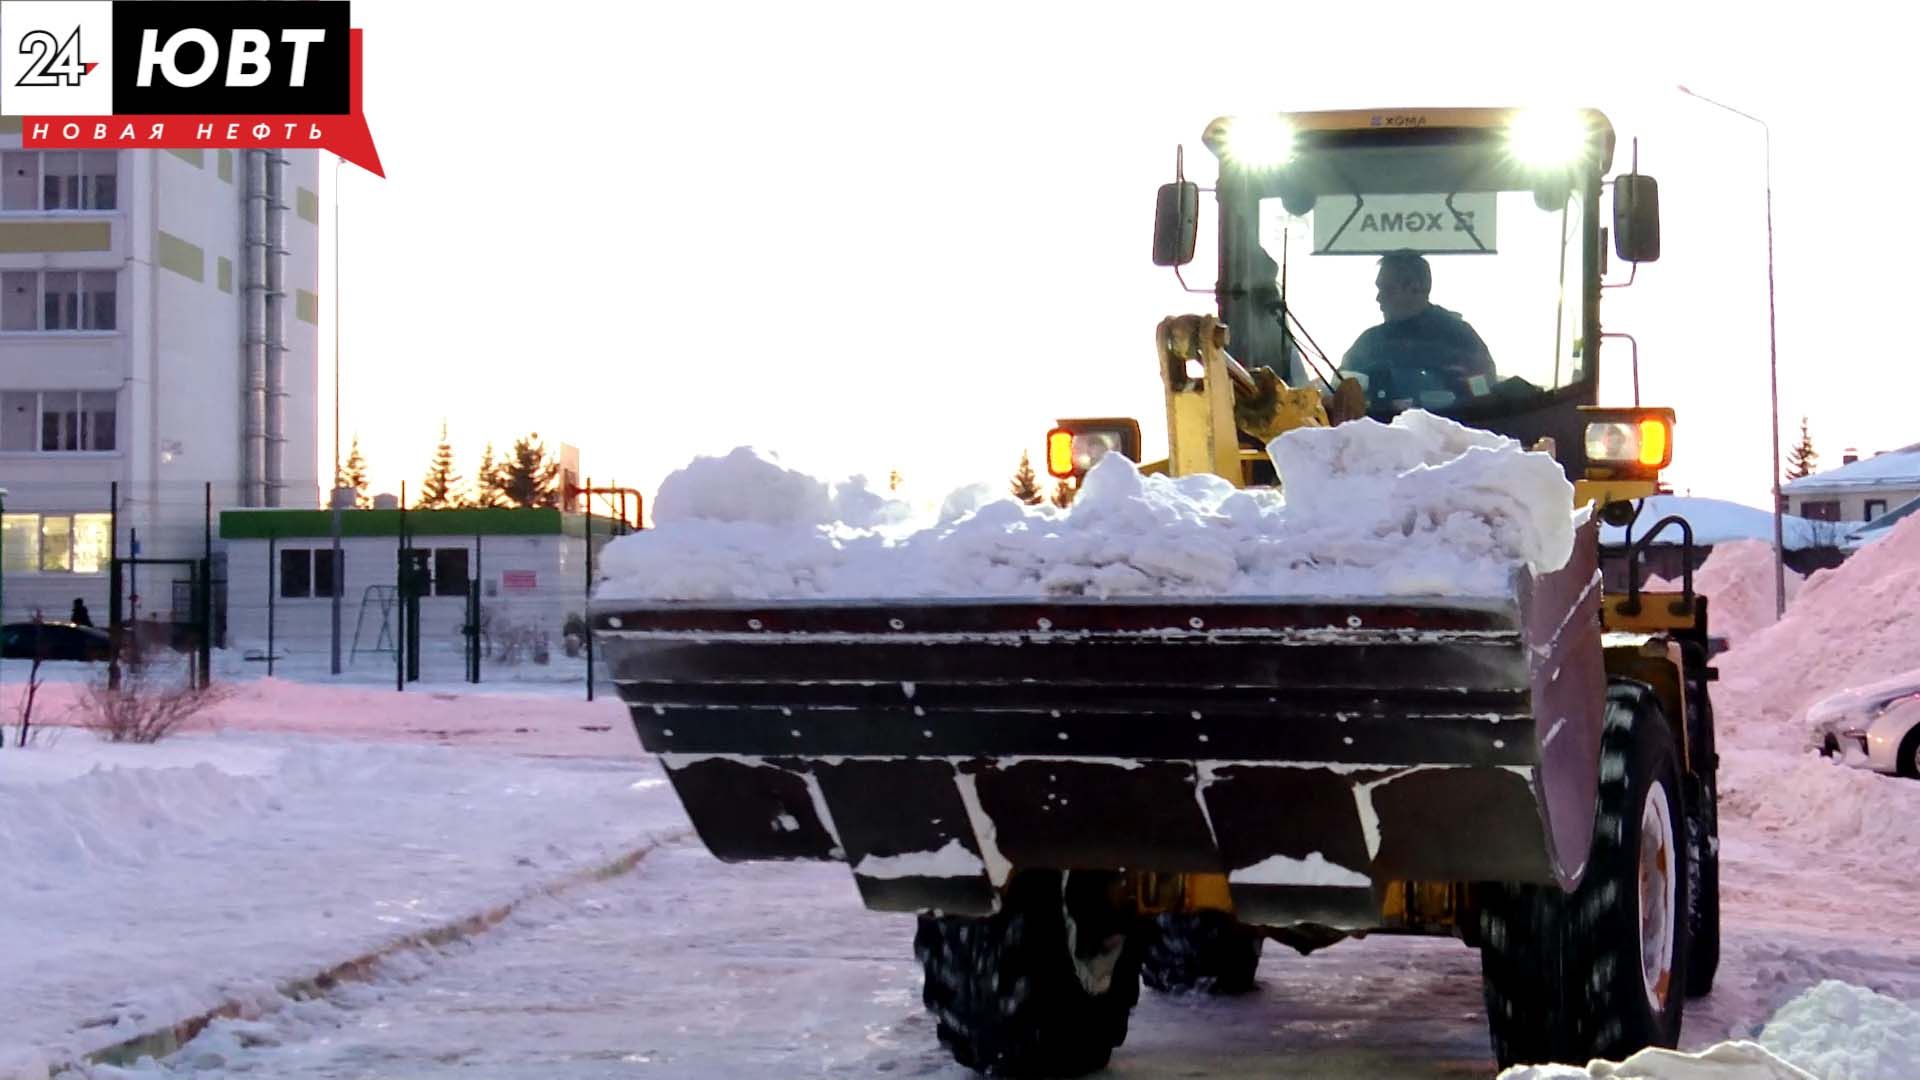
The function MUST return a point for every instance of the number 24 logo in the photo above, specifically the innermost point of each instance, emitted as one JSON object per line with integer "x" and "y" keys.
{"x": 55, "y": 63}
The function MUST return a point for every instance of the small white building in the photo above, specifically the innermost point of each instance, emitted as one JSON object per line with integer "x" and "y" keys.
{"x": 530, "y": 565}
{"x": 1859, "y": 490}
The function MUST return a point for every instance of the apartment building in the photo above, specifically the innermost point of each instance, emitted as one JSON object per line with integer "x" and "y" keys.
{"x": 159, "y": 330}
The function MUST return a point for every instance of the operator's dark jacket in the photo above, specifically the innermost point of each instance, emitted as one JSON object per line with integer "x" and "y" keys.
{"x": 1435, "y": 339}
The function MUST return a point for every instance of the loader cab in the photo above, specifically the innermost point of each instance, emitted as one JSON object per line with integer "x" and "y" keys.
{"x": 1503, "y": 205}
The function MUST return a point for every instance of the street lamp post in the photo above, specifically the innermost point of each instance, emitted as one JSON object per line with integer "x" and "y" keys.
{"x": 1773, "y": 365}
{"x": 333, "y": 501}
{"x": 337, "y": 162}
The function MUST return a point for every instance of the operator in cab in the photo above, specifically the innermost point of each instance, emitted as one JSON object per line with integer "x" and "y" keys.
{"x": 1421, "y": 354}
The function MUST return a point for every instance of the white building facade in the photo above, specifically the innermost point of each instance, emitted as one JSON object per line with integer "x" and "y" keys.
{"x": 1860, "y": 490}
{"x": 159, "y": 330}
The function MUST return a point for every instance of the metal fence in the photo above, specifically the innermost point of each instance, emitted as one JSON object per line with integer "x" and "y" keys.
{"x": 390, "y": 595}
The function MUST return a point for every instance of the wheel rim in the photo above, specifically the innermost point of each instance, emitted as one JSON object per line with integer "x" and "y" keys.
{"x": 1657, "y": 889}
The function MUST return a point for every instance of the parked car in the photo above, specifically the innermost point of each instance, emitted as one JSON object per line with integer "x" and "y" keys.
{"x": 1876, "y": 726}
{"x": 54, "y": 641}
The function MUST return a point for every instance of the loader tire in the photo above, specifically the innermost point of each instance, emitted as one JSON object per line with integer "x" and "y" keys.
{"x": 1703, "y": 839}
{"x": 1041, "y": 988}
{"x": 1206, "y": 952}
{"x": 1600, "y": 972}
{"x": 1703, "y": 916}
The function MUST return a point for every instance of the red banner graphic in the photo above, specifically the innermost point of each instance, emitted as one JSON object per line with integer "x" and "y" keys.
{"x": 347, "y": 136}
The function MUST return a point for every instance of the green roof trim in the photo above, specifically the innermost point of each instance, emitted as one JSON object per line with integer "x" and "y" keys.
{"x": 307, "y": 524}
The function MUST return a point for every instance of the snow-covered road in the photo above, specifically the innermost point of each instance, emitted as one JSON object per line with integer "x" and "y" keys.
{"x": 689, "y": 967}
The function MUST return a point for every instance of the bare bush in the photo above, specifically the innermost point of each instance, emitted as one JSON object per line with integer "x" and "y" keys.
{"x": 141, "y": 711}
{"x": 28, "y": 733}
{"x": 25, "y": 736}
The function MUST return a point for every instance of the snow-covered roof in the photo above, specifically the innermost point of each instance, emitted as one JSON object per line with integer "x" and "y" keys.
{"x": 1716, "y": 521}
{"x": 1893, "y": 468}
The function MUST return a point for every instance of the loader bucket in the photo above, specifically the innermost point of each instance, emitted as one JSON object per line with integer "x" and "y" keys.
{"x": 1311, "y": 749}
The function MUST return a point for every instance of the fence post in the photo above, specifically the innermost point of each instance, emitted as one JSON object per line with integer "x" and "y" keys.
{"x": 116, "y": 631}
{"x": 206, "y": 623}
{"x": 339, "y": 579}
{"x": 273, "y": 542}
{"x": 410, "y": 620}
{"x": 479, "y": 575}
{"x": 206, "y": 603}
{"x": 588, "y": 595}
{"x": 114, "y": 634}
{"x": 399, "y": 597}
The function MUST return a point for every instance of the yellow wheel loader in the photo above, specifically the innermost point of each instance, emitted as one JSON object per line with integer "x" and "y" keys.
{"x": 1078, "y": 794}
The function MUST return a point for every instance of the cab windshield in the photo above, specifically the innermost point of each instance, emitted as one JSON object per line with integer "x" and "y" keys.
{"x": 1444, "y": 276}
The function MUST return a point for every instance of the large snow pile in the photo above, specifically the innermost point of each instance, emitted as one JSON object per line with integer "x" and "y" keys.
{"x": 1738, "y": 581}
{"x": 1856, "y": 623}
{"x": 1423, "y": 505}
{"x": 1833, "y": 1031}
{"x": 1722, "y": 1061}
{"x": 1838, "y": 1031}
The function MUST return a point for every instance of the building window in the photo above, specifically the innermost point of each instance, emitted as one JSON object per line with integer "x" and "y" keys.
{"x": 1820, "y": 509}
{"x": 307, "y": 572}
{"x": 58, "y": 421}
{"x": 296, "y": 573}
{"x": 37, "y": 300}
{"x": 1875, "y": 507}
{"x": 323, "y": 571}
{"x": 450, "y": 572}
{"x": 56, "y": 543}
{"x": 60, "y": 180}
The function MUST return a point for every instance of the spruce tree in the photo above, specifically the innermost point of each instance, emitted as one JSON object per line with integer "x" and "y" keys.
{"x": 1063, "y": 493}
{"x": 528, "y": 477}
{"x": 1802, "y": 460}
{"x": 441, "y": 487}
{"x": 488, "y": 490}
{"x": 355, "y": 475}
{"x": 1026, "y": 487}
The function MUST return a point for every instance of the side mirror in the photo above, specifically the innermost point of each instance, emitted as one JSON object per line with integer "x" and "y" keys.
{"x": 1176, "y": 221}
{"x": 1636, "y": 218}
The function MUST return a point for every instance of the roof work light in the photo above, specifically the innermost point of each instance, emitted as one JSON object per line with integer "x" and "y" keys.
{"x": 1074, "y": 446}
{"x": 1628, "y": 443}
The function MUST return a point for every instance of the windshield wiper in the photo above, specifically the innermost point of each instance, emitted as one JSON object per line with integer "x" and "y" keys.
{"x": 1359, "y": 203}
{"x": 1278, "y": 309}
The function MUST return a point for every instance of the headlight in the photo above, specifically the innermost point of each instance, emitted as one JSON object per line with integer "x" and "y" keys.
{"x": 1076, "y": 445}
{"x": 1628, "y": 442}
{"x": 1548, "y": 139}
{"x": 1258, "y": 142}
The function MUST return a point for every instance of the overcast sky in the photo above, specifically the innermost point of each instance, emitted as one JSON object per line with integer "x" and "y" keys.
{"x": 888, "y": 236}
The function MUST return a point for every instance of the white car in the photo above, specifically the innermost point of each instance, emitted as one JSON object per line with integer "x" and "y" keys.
{"x": 1872, "y": 727}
